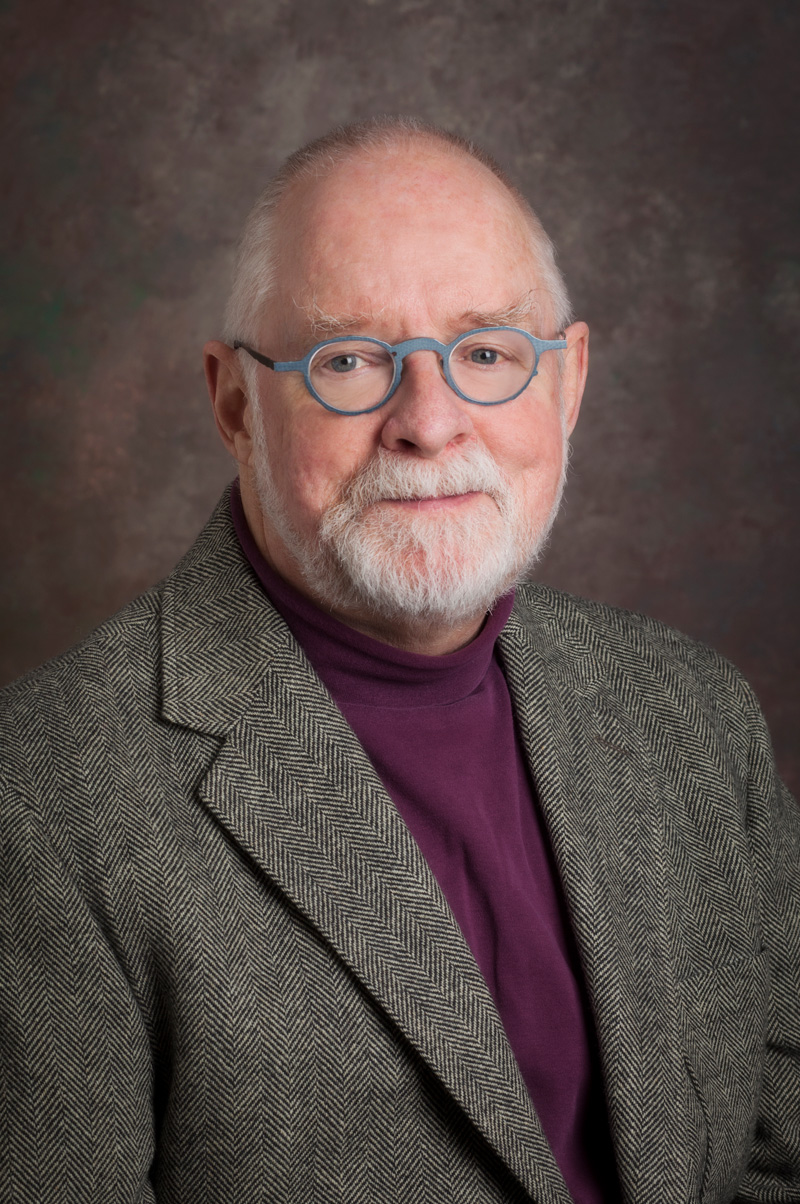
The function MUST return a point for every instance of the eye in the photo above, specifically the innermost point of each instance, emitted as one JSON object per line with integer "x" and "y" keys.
{"x": 343, "y": 363}
{"x": 491, "y": 351}
{"x": 484, "y": 355}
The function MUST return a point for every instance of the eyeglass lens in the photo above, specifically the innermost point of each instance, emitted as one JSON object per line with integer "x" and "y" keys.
{"x": 356, "y": 374}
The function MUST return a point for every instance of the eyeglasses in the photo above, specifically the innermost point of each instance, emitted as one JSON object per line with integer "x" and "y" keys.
{"x": 488, "y": 366}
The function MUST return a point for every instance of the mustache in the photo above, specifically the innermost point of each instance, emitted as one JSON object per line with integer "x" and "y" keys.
{"x": 388, "y": 476}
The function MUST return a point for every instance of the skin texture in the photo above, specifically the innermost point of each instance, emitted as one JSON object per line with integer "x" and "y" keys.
{"x": 395, "y": 243}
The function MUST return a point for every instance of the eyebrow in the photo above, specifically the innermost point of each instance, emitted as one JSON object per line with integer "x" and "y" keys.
{"x": 333, "y": 324}
{"x": 322, "y": 323}
{"x": 514, "y": 314}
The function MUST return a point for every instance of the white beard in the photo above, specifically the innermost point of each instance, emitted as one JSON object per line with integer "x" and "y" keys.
{"x": 414, "y": 565}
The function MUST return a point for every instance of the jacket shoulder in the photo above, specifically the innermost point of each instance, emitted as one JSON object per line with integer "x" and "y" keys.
{"x": 124, "y": 650}
{"x": 137, "y": 621}
{"x": 85, "y": 694}
{"x": 624, "y": 645}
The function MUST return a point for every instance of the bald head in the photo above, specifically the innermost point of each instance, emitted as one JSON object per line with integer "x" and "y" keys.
{"x": 317, "y": 185}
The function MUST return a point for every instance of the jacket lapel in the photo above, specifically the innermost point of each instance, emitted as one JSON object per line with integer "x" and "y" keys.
{"x": 595, "y": 785}
{"x": 295, "y": 789}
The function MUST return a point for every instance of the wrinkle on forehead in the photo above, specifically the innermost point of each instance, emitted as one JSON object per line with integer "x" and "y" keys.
{"x": 526, "y": 313}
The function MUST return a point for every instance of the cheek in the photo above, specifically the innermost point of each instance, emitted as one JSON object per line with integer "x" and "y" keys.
{"x": 530, "y": 447}
{"x": 312, "y": 458}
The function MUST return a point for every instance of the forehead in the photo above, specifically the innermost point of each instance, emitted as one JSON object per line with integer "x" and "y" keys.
{"x": 406, "y": 238}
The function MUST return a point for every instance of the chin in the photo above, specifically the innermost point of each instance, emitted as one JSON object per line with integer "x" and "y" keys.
{"x": 409, "y": 566}
{"x": 440, "y": 563}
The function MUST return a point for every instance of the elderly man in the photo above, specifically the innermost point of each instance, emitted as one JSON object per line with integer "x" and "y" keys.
{"x": 334, "y": 868}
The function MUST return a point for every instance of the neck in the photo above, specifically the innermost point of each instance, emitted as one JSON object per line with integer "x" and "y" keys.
{"x": 428, "y": 638}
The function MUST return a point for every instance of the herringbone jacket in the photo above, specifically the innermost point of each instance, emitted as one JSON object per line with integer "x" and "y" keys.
{"x": 229, "y": 975}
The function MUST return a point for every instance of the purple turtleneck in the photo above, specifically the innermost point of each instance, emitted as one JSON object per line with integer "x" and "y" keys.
{"x": 440, "y": 732}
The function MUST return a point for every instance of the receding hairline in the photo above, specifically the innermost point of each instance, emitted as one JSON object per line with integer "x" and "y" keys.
{"x": 319, "y": 158}
{"x": 256, "y": 260}
{"x": 438, "y": 148}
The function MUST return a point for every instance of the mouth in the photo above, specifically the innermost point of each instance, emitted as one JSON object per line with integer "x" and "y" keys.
{"x": 446, "y": 502}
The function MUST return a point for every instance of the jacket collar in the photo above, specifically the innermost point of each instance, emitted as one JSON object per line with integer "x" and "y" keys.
{"x": 600, "y": 798}
{"x": 294, "y": 788}
{"x": 218, "y": 631}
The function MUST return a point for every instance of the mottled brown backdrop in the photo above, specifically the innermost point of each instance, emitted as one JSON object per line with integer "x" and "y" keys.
{"x": 657, "y": 141}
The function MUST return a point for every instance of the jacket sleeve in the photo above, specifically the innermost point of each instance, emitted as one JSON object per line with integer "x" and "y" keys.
{"x": 773, "y": 1172}
{"x": 76, "y": 1089}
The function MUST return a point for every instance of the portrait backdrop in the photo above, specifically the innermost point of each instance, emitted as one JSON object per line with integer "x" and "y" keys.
{"x": 657, "y": 141}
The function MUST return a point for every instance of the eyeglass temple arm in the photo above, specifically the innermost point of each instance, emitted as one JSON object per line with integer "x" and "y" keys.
{"x": 262, "y": 359}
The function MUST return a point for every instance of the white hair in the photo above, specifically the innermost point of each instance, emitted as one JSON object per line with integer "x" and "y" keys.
{"x": 254, "y": 274}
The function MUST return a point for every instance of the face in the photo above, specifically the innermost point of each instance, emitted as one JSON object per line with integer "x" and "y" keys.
{"x": 429, "y": 508}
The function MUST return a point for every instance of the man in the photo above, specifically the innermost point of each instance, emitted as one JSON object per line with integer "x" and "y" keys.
{"x": 330, "y": 876}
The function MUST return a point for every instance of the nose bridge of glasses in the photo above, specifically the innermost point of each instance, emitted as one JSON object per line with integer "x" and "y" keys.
{"x": 401, "y": 350}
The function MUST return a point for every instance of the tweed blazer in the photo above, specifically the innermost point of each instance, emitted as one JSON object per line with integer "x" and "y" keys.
{"x": 228, "y": 973}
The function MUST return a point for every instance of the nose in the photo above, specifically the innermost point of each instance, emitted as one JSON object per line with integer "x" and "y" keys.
{"x": 425, "y": 416}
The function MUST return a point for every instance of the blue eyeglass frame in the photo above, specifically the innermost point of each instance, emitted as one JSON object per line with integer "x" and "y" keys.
{"x": 399, "y": 351}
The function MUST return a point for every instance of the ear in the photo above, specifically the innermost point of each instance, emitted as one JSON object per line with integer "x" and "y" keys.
{"x": 231, "y": 405}
{"x": 576, "y": 366}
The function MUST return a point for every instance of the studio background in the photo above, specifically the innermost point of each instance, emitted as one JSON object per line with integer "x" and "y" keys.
{"x": 657, "y": 143}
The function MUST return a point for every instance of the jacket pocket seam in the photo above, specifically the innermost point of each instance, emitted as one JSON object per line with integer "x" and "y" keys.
{"x": 751, "y": 957}
{"x": 706, "y": 1121}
